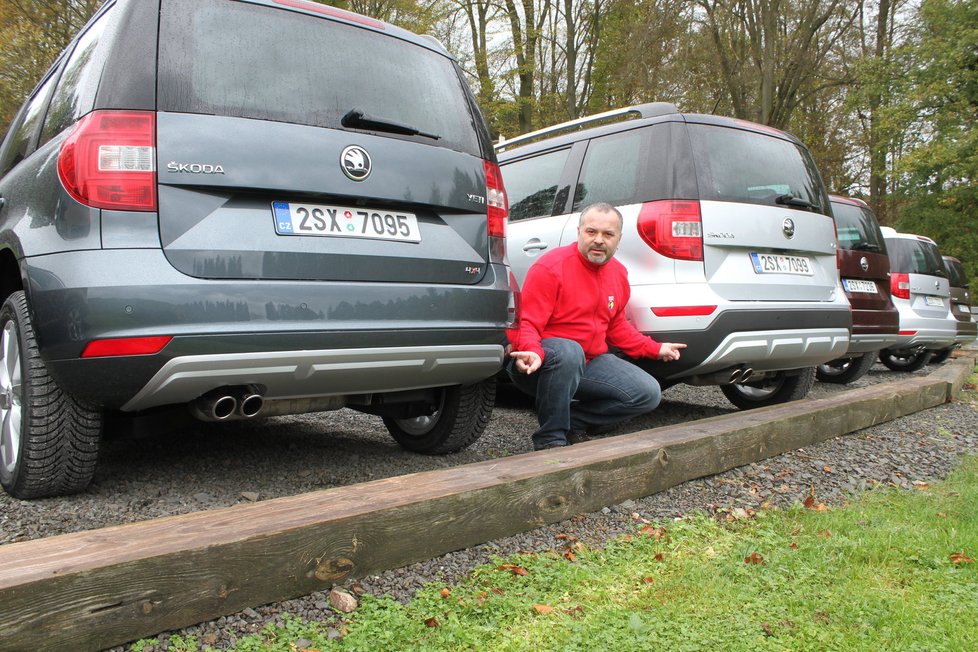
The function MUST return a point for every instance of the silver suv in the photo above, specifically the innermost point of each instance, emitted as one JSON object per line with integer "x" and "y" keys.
{"x": 728, "y": 239}
{"x": 243, "y": 207}
{"x": 921, "y": 292}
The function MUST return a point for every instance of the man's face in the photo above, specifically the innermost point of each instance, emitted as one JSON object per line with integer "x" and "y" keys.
{"x": 598, "y": 236}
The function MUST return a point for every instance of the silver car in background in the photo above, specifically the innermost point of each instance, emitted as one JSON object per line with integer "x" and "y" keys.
{"x": 921, "y": 292}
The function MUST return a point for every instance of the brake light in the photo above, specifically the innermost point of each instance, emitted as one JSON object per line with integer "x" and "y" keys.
{"x": 672, "y": 228}
{"x": 900, "y": 285}
{"x": 126, "y": 346}
{"x": 109, "y": 160}
{"x": 683, "y": 311}
{"x": 496, "y": 203}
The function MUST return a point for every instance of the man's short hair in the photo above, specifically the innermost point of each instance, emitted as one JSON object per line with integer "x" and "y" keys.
{"x": 602, "y": 207}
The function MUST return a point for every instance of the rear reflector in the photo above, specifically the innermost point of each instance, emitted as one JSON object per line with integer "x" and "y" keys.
{"x": 900, "y": 285}
{"x": 109, "y": 160}
{"x": 496, "y": 203}
{"x": 684, "y": 311}
{"x": 672, "y": 228}
{"x": 908, "y": 332}
{"x": 126, "y": 346}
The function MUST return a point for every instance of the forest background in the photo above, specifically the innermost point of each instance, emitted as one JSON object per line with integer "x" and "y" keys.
{"x": 883, "y": 92}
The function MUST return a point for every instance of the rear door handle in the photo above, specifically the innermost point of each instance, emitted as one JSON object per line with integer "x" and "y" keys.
{"x": 535, "y": 245}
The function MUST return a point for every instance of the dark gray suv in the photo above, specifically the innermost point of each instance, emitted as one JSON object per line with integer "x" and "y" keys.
{"x": 240, "y": 205}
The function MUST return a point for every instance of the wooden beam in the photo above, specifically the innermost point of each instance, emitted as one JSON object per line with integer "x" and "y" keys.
{"x": 97, "y": 589}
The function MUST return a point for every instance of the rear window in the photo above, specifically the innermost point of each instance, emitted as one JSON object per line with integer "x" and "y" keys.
{"x": 911, "y": 256}
{"x": 242, "y": 60}
{"x": 748, "y": 167}
{"x": 857, "y": 228}
{"x": 956, "y": 274}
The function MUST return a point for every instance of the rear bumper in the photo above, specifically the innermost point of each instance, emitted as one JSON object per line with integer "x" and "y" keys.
{"x": 765, "y": 340}
{"x": 293, "y": 338}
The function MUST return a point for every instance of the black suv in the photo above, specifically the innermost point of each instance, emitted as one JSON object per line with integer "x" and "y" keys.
{"x": 240, "y": 205}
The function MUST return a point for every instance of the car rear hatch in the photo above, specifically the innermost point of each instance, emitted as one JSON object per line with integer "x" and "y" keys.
{"x": 766, "y": 225}
{"x": 863, "y": 263}
{"x": 918, "y": 275}
{"x": 291, "y": 145}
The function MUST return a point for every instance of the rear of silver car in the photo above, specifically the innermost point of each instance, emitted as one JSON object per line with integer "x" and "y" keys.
{"x": 921, "y": 292}
{"x": 728, "y": 240}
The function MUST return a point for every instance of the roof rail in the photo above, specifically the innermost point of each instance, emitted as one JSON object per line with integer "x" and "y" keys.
{"x": 650, "y": 110}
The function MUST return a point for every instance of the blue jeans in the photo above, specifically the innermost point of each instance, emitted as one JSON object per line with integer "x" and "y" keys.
{"x": 572, "y": 394}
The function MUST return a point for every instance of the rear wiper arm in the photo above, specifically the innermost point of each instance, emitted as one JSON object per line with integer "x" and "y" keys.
{"x": 360, "y": 120}
{"x": 866, "y": 246}
{"x": 791, "y": 200}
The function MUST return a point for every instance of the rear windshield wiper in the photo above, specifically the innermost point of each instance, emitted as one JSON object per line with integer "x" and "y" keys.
{"x": 866, "y": 246}
{"x": 795, "y": 202}
{"x": 360, "y": 120}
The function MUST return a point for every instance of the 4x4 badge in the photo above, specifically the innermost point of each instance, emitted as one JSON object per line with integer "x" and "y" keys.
{"x": 355, "y": 163}
{"x": 788, "y": 227}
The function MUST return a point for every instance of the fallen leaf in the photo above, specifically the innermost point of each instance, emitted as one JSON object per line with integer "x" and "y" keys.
{"x": 825, "y": 534}
{"x": 569, "y": 555}
{"x": 768, "y": 630}
{"x": 445, "y": 593}
{"x": 648, "y": 580}
{"x": 564, "y": 537}
{"x": 920, "y": 485}
{"x": 793, "y": 545}
{"x": 543, "y": 608}
{"x": 810, "y": 499}
{"x": 655, "y": 532}
{"x": 821, "y": 507}
{"x": 250, "y": 496}
{"x": 514, "y": 569}
{"x": 941, "y": 515}
{"x": 961, "y": 558}
{"x": 659, "y": 556}
{"x": 431, "y": 622}
{"x": 827, "y": 469}
{"x": 575, "y": 612}
{"x": 754, "y": 559}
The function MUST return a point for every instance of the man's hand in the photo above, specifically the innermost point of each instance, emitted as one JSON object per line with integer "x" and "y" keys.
{"x": 527, "y": 361}
{"x": 670, "y": 351}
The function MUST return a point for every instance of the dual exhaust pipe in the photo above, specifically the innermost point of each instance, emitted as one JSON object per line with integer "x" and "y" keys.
{"x": 228, "y": 404}
{"x": 727, "y": 376}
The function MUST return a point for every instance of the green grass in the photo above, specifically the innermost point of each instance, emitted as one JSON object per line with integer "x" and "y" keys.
{"x": 878, "y": 574}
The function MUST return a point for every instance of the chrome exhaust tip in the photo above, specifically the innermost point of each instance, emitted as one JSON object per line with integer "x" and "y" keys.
{"x": 745, "y": 374}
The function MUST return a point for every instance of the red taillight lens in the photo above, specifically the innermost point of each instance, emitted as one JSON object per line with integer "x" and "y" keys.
{"x": 109, "y": 160}
{"x": 900, "y": 285}
{"x": 683, "y": 311}
{"x": 496, "y": 202}
{"x": 126, "y": 346}
{"x": 673, "y": 228}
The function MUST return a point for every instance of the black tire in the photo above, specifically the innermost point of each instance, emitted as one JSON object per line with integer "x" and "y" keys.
{"x": 779, "y": 388}
{"x": 940, "y": 356}
{"x": 48, "y": 441}
{"x": 845, "y": 370}
{"x": 460, "y": 419}
{"x": 905, "y": 361}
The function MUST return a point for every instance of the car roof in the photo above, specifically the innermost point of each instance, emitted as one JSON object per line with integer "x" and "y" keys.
{"x": 890, "y": 232}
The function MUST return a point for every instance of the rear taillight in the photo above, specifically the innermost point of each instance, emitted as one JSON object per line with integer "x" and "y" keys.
{"x": 126, "y": 346}
{"x": 496, "y": 202}
{"x": 900, "y": 285}
{"x": 683, "y": 311}
{"x": 673, "y": 228}
{"x": 109, "y": 160}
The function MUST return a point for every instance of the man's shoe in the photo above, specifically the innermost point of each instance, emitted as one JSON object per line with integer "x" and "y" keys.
{"x": 577, "y": 437}
{"x": 553, "y": 444}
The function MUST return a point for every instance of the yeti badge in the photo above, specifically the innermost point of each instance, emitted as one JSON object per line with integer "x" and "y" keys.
{"x": 611, "y": 303}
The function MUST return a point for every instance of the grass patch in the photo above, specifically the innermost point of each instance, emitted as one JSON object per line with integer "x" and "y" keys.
{"x": 894, "y": 570}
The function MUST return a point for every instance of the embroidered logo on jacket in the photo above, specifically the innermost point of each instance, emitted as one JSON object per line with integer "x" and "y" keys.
{"x": 611, "y": 302}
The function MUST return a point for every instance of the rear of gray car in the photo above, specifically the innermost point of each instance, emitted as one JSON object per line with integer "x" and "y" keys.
{"x": 245, "y": 208}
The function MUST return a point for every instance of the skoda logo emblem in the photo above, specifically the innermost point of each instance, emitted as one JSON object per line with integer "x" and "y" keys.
{"x": 355, "y": 163}
{"x": 788, "y": 227}
{"x": 864, "y": 264}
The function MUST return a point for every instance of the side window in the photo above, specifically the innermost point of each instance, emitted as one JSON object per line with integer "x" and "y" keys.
{"x": 75, "y": 94}
{"x": 531, "y": 184}
{"x": 612, "y": 169}
{"x": 21, "y": 139}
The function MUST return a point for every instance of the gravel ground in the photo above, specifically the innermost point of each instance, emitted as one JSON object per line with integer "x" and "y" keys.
{"x": 175, "y": 465}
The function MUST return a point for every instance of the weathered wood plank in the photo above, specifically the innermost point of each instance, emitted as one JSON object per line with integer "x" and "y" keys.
{"x": 92, "y": 590}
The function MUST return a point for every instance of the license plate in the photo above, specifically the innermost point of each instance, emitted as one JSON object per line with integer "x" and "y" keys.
{"x": 934, "y": 301}
{"x": 775, "y": 264}
{"x": 292, "y": 218}
{"x": 854, "y": 285}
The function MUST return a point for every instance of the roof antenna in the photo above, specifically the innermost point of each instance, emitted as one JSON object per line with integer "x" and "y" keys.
{"x": 714, "y": 111}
